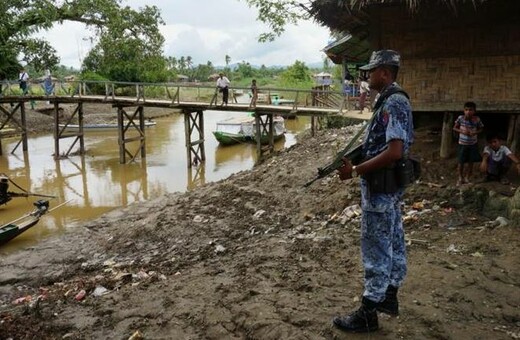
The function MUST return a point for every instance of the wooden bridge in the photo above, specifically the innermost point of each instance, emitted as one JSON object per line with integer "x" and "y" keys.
{"x": 191, "y": 99}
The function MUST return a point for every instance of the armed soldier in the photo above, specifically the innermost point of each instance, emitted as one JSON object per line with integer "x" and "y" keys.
{"x": 386, "y": 144}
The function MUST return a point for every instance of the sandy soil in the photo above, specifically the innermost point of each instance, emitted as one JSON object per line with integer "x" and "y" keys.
{"x": 256, "y": 256}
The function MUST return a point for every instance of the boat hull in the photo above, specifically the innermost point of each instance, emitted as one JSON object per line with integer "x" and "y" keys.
{"x": 107, "y": 126}
{"x": 10, "y": 231}
{"x": 243, "y": 130}
{"x": 225, "y": 138}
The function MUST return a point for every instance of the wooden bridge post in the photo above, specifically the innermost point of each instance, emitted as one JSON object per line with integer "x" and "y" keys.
{"x": 57, "y": 133}
{"x": 122, "y": 128}
{"x": 446, "y": 137}
{"x": 21, "y": 125}
{"x": 60, "y": 133}
{"x": 264, "y": 129}
{"x": 195, "y": 151}
{"x": 515, "y": 139}
{"x": 24, "y": 127}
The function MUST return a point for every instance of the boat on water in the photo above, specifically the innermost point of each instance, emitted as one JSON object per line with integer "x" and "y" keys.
{"x": 12, "y": 229}
{"x": 104, "y": 126}
{"x": 243, "y": 130}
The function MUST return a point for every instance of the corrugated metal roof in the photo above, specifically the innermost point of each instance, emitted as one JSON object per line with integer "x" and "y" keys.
{"x": 354, "y": 49}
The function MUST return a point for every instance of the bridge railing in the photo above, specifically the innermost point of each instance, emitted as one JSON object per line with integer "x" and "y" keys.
{"x": 183, "y": 92}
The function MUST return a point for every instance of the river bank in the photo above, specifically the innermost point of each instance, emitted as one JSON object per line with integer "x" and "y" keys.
{"x": 256, "y": 256}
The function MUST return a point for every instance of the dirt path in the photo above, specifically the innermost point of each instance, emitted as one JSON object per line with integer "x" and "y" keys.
{"x": 256, "y": 256}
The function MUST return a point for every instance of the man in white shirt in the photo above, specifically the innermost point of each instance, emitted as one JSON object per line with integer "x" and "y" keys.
{"x": 223, "y": 86}
{"x": 23, "y": 78}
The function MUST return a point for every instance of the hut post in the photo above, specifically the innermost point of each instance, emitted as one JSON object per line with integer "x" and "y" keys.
{"x": 511, "y": 129}
{"x": 446, "y": 137}
{"x": 515, "y": 144}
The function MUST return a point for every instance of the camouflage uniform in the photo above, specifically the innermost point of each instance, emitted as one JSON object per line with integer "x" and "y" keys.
{"x": 382, "y": 235}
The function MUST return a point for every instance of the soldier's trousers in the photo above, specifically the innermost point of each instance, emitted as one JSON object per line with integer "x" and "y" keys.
{"x": 383, "y": 247}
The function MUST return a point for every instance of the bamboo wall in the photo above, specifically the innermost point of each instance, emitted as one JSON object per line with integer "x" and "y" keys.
{"x": 444, "y": 84}
{"x": 448, "y": 58}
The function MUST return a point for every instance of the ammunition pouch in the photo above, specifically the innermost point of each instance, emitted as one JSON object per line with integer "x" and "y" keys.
{"x": 391, "y": 179}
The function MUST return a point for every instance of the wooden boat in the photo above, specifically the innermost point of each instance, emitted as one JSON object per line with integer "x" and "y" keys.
{"x": 12, "y": 229}
{"x": 104, "y": 126}
{"x": 243, "y": 130}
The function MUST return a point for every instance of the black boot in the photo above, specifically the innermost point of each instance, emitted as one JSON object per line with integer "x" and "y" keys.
{"x": 363, "y": 320}
{"x": 390, "y": 305}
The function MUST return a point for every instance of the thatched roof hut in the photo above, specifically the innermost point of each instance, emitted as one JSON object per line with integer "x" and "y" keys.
{"x": 452, "y": 51}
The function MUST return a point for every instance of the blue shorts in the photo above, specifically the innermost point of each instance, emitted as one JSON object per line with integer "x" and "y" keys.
{"x": 468, "y": 154}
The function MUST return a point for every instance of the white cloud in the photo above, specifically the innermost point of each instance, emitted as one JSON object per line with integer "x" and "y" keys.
{"x": 207, "y": 30}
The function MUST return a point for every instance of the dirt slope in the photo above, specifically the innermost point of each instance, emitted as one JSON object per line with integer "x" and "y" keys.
{"x": 256, "y": 256}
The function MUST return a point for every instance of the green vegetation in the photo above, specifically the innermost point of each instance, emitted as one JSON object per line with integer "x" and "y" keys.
{"x": 128, "y": 46}
{"x": 19, "y": 20}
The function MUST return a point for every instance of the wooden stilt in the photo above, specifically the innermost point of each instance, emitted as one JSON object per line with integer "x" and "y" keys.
{"x": 123, "y": 128}
{"x": 57, "y": 133}
{"x": 121, "y": 135}
{"x": 515, "y": 142}
{"x": 195, "y": 151}
{"x": 61, "y": 133}
{"x": 446, "y": 138}
{"x": 196, "y": 176}
{"x": 264, "y": 128}
{"x": 258, "y": 121}
{"x": 21, "y": 125}
{"x": 24, "y": 127}
{"x": 511, "y": 128}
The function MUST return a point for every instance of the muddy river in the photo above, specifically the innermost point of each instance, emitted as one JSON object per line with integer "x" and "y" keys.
{"x": 96, "y": 183}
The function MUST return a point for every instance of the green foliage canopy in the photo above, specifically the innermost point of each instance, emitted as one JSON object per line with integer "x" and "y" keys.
{"x": 21, "y": 19}
{"x": 129, "y": 47}
{"x": 277, "y": 14}
{"x": 296, "y": 74}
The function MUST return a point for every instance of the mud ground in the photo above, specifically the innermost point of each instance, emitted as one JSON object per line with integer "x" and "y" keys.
{"x": 257, "y": 256}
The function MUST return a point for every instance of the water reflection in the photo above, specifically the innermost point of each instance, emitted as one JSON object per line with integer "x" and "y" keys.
{"x": 97, "y": 183}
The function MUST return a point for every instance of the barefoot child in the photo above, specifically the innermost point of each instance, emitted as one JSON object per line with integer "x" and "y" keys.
{"x": 468, "y": 126}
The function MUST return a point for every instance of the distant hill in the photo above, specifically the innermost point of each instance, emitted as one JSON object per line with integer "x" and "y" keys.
{"x": 234, "y": 66}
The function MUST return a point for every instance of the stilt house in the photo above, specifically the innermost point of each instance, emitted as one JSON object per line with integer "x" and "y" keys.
{"x": 452, "y": 51}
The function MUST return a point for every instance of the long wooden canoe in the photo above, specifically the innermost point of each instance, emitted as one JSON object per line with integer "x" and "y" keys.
{"x": 12, "y": 229}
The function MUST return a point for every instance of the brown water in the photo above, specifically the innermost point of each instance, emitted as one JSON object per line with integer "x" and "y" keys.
{"x": 96, "y": 183}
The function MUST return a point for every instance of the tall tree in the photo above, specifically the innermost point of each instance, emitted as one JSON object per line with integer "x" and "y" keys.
{"x": 20, "y": 19}
{"x": 297, "y": 73}
{"x": 277, "y": 14}
{"x": 130, "y": 47}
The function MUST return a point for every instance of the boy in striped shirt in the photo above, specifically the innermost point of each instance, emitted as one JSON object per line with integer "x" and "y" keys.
{"x": 468, "y": 126}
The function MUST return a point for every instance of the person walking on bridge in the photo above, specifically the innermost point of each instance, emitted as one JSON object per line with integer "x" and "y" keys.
{"x": 386, "y": 144}
{"x": 223, "y": 86}
{"x": 23, "y": 79}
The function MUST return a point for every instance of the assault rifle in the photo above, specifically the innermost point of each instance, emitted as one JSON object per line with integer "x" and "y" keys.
{"x": 350, "y": 152}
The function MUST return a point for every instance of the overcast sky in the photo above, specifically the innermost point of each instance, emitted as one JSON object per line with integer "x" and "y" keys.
{"x": 208, "y": 30}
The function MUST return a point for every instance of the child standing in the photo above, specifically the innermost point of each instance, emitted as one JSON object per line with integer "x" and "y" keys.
{"x": 254, "y": 93}
{"x": 497, "y": 160}
{"x": 468, "y": 126}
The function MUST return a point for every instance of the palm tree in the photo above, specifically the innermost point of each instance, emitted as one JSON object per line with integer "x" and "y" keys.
{"x": 182, "y": 64}
{"x": 228, "y": 60}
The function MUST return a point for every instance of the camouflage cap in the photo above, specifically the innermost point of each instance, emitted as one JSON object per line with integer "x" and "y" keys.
{"x": 382, "y": 57}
